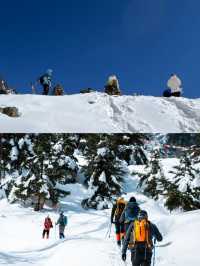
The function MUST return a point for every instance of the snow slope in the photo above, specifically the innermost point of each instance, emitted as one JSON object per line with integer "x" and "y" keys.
{"x": 98, "y": 112}
{"x": 86, "y": 243}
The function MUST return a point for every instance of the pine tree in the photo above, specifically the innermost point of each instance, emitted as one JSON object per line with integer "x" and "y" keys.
{"x": 153, "y": 181}
{"x": 104, "y": 177}
{"x": 184, "y": 189}
{"x": 43, "y": 171}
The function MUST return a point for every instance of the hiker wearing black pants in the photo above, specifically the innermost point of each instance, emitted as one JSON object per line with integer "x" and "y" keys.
{"x": 139, "y": 238}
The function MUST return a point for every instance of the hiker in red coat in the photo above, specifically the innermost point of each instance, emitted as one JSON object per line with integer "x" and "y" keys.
{"x": 47, "y": 226}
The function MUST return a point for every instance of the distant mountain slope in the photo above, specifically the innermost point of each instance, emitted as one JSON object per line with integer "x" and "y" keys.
{"x": 98, "y": 112}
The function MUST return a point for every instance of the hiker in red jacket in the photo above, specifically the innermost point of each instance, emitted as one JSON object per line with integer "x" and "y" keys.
{"x": 47, "y": 226}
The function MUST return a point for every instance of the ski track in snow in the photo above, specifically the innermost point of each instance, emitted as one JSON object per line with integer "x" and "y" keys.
{"x": 100, "y": 113}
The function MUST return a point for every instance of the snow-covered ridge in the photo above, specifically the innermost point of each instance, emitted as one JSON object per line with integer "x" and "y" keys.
{"x": 100, "y": 113}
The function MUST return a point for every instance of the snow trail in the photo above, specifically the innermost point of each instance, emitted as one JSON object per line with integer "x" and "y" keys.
{"x": 86, "y": 243}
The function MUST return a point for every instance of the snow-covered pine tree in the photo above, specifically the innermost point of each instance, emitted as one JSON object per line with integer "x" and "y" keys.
{"x": 153, "y": 182}
{"x": 15, "y": 148}
{"x": 44, "y": 171}
{"x": 184, "y": 189}
{"x": 104, "y": 176}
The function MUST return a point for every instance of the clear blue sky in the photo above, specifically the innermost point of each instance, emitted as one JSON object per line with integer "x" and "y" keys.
{"x": 84, "y": 41}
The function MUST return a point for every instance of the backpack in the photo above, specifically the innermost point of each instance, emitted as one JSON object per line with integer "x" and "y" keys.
{"x": 41, "y": 79}
{"x": 141, "y": 232}
{"x": 131, "y": 211}
{"x": 63, "y": 220}
{"x": 121, "y": 204}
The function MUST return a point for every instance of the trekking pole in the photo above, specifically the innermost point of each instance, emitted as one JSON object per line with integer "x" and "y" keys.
{"x": 154, "y": 252}
{"x": 108, "y": 230}
{"x": 55, "y": 231}
{"x": 110, "y": 227}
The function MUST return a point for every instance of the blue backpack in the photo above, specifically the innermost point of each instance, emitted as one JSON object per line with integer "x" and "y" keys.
{"x": 63, "y": 220}
{"x": 131, "y": 211}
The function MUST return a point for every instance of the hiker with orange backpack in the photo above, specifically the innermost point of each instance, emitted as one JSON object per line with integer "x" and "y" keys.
{"x": 116, "y": 213}
{"x": 47, "y": 226}
{"x": 139, "y": 238}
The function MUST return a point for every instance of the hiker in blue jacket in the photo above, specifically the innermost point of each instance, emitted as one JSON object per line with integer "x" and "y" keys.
{"x": 130, "y": 213}
{"x": 141, "y": 249}
{"x": 62, "y": 222}
{"x": 45, "y": 81}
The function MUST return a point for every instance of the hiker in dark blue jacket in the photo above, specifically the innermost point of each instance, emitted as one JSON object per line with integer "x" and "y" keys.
{"x": 45, "y": 81}
{"x": 141, "y": 250}
{"x": 130, "y": 213}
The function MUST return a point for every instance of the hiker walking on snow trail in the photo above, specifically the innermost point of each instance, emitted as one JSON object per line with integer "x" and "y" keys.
{"x": 130, "y": 213}
{"x": 112, "y": 86}
{"x": 47, "y": 226}
{"x": 116, "y": 213}
{"x": 174, "y": 84}
{"x": 45, "y": 81}
{"x": 139, "y": 239}
{"x": 62, "y": 222}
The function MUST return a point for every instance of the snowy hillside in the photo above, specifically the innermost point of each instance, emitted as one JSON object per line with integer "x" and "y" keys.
{"x": 98, "y": 112}
{"x": 86, "y": 243}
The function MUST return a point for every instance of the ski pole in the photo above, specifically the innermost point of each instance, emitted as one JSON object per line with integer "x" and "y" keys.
{"x": 154, "y": 252}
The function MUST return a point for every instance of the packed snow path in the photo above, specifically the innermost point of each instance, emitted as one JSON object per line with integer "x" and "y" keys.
{"x": 98, "y": 112}
{"x": 86, "y": 243}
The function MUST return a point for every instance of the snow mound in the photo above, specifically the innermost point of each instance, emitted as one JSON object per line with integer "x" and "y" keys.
{"x": 100, "y": 113}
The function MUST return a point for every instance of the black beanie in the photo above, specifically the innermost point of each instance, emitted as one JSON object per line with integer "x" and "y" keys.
{"x": 132, "y": 199}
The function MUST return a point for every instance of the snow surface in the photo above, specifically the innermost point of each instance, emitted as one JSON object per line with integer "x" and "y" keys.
{"x": 87, "y": 242}
{"x": 100, "y": 113}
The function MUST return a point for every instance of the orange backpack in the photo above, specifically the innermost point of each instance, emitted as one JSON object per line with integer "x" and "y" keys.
{"x": 141, "y": 232}
{"x": 120, "y": 207}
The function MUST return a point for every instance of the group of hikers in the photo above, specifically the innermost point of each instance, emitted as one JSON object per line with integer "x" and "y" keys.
{"x": 48, "y": 224}
{"x": 111, "y": 88}
{"x": 134, "y": 231}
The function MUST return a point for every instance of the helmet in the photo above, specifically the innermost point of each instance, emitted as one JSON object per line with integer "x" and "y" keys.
{"x": 49, "y": 72}
{"x": 142, "y": 215}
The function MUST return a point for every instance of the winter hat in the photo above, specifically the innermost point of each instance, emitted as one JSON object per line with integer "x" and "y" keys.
{"x": 142, "y": 215}
{"x": 132, "y": 199}
{"x": 49, "y": 72}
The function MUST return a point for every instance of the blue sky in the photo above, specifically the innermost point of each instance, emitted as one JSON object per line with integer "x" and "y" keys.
{"x": 84, "y": 41}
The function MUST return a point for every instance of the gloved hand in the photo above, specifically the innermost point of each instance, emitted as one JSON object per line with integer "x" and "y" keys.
{"x": 124, "y": 257}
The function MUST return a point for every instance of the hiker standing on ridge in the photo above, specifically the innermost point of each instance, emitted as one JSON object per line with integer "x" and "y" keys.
{"x": 47, "y": 226}
{"x": 45, "y": 81}
{"x": 62, "y": 222}
{"x": 174, "y": 85}
{"x": 130, "y": 213}
{"x": 139, "y": 238}
{"x": 116, "y": 213}
{"x": 112, "y": 86}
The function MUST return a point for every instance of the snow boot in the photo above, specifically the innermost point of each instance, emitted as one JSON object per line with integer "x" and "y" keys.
{"x": 119, "y": 243}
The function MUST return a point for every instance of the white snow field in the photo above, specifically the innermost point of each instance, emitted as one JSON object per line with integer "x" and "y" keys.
{"x": 99, "y": 113}
{"x": 87, "y": 242}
